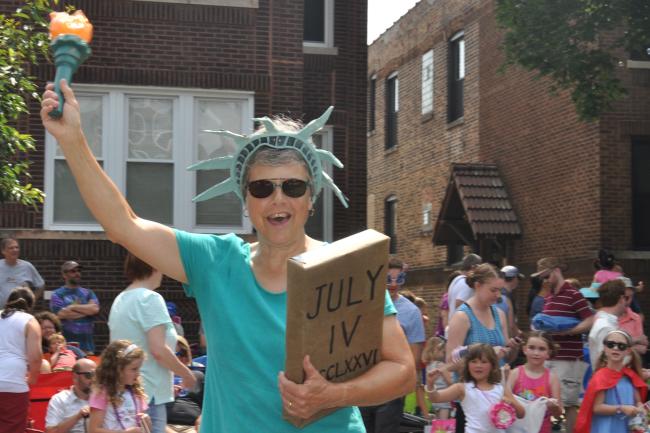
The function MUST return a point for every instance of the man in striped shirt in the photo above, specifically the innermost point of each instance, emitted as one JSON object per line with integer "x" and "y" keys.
{"x": 564, "y": 300}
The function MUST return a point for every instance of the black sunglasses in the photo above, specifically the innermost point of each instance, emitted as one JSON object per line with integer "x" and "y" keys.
{"x": 613, "y": 344}
{"x": 263, "y": 188}
{"x": 86, "y": 374}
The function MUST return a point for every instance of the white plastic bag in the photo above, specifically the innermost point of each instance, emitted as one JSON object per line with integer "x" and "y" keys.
{"x": 532, "y": 421}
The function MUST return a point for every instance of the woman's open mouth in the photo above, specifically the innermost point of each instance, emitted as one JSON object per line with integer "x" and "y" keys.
{"x": 278, "y": 218}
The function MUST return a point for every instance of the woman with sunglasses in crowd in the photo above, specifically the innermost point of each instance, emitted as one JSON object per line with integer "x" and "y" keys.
{"x": 240, "y": 288}
{"x": 616, "y": 393}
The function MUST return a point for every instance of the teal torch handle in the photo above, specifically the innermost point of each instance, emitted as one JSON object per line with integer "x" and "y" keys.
{"x": 69, "y": 51}
{"x": 63, "y": 71}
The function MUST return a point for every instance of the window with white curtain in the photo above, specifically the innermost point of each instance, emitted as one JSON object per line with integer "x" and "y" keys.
{"x": 211, "y": 114}
{"x": 150, "y": 158}
{"x": 144, "y": 138}
{"x": 427, "y": 82}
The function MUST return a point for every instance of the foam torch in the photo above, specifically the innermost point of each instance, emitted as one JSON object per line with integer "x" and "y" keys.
{"x": 70, "y": 36}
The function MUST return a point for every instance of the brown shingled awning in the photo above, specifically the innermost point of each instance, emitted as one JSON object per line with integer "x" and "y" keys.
{"x": 476, "y": 206}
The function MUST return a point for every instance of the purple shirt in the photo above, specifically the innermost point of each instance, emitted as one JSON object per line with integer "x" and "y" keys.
{"x": 63, "y": 296}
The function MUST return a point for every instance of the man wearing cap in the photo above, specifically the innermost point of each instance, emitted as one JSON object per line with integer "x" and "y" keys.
{"x": 511, "y": 277}
{"x": 565, "y": 301}
{"x": 459, "y": 291}
{"x": 76, "y": 306}
{"x": 67, "y": 410}
{"x": 631, "y": 322}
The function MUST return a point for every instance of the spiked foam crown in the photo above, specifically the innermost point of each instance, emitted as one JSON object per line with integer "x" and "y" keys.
{"x": 299, "y": 141}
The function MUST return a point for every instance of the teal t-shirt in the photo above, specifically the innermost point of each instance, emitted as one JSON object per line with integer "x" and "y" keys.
{"x": 133, "y": 313}
{"x": 245, "y": 328}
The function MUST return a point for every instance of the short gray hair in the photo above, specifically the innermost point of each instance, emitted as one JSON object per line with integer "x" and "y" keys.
{"x": 275, "y": 157}
{"x": 4, "y": 243}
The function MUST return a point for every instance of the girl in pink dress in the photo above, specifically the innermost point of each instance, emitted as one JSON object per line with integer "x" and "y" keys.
{"x": 532, "y": 380}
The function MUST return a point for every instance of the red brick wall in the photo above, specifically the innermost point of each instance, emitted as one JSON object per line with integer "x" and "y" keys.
{"x": 568, "y": 180}
{"x": 260, "y": 50}
{"x": 629, "y": 117}
{"x": 194, "y": 46}
{"x": 549, "y": 160}
{"x": 416, "y": 171}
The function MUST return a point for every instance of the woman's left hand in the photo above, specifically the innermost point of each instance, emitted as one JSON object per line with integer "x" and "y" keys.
{"x": 304, "y": 400}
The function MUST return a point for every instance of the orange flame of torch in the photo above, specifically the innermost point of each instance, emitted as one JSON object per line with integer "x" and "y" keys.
{"x": 76, "y": 24}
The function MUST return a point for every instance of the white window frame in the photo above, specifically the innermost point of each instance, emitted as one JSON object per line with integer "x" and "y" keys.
{"x": 329, "y": 33}
{"x": 230, "y": 3}
{"x": 114, "y": 131}
{"x": 427, "y": 82}
{"x": 638, "y": 64}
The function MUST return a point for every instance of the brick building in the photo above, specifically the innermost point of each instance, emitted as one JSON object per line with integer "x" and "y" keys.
{"x": 163, "y": 71}
{"x": 469, "y": 158}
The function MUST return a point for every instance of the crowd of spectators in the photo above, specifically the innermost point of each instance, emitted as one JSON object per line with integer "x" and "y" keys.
{"x": 574, "y": 326}
{"x": 571, "y": 323}
{"x": 61, "y": 339}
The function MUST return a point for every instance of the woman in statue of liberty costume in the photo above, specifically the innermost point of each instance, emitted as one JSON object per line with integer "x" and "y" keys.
{"x": 240, "y": 288}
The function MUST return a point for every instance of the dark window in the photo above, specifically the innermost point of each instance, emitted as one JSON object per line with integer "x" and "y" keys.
{"x": 392, "y": 107}
{"x": 456, "y": 74}
{"x": 454, "y": 253}
{"x": 314, "y": 21}
{"x": 372, "y": 87}
{"x": 390, "y": 221}
{"x": 642, "y": 54}
{"x": 641, "y": 191}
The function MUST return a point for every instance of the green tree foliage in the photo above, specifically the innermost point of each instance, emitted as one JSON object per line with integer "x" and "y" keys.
{"x": 575, "y": 43}
{"x": 23, "y": 42}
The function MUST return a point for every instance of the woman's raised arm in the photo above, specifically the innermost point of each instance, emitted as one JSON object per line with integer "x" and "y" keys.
{"x": 150, "y": 241}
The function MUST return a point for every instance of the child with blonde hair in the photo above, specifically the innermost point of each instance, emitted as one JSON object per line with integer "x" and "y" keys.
{"x": 615, "y": 395}
{"x": 433, "y": 357}
{"x": 62, "y": 358}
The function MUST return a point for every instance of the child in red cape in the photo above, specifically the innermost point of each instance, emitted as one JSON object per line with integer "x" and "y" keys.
{"x": 616, "y": 392}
